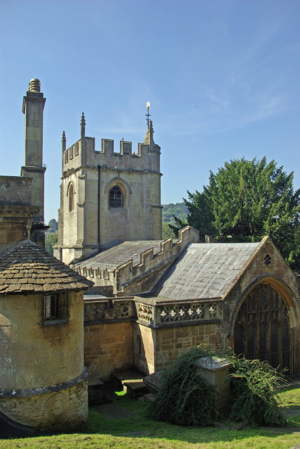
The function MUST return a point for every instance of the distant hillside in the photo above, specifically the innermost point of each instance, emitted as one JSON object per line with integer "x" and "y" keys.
{"x": 179, "y": 210}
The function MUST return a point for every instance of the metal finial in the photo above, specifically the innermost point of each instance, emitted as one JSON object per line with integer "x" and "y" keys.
{"x": 148, "y": 115}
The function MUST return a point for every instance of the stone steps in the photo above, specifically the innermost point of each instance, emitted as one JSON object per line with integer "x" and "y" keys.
{"x": 130, "y": 381}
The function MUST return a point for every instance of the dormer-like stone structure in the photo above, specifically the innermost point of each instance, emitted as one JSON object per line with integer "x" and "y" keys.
{"x": 108, "y": 196}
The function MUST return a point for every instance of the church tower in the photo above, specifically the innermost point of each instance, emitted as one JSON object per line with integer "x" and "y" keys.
{"x": 33, "y": 108}
{"x": 107, "y": 196}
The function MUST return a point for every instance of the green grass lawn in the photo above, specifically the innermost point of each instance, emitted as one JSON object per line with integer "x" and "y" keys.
{"x": 136, "y": 430}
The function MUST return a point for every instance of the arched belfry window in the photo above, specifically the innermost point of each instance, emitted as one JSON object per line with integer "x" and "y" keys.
{"x": 71, "y": 198}
{"x": 115, "y": 197}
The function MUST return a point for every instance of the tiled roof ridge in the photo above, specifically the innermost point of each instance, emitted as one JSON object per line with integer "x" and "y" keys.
{"x": 222, "y": 244}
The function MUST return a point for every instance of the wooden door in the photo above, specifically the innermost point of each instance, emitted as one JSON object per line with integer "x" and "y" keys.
{"x": 262, "y": 327}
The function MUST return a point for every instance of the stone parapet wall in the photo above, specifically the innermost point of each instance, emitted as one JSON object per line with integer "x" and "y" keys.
{"x": 15, "y": 190}
{"x": 15, "y": 224}
{"x": 173, "y": 313}
{"x": 130, "y": 279}
{"x": 107, "y": 310}
{"x": 146, "y": 333}
{"x": 83, "y": 152}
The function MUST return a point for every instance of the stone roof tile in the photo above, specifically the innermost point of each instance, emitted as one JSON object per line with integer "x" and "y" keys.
{"x": 25, "y": 267}
{"x": 206, "y": 270}
{"x": 120, "y": 254}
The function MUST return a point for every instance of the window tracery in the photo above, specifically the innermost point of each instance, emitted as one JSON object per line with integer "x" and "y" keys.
{"x": 115, "y": 197}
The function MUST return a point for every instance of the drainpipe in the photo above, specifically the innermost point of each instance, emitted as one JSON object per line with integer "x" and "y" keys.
{"x": 99, "y": 168}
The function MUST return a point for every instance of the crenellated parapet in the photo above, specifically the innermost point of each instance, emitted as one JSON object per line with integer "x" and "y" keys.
{"x": 130, "y": 278}
{"x": 109, "y": 195}
{"x": 84, "y": 153}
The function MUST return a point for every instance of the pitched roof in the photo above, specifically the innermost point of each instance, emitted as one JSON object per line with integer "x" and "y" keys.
{"x": 206, "y": 270}
{"x": 120, "y": 254}
{"x": 25, "y": 268}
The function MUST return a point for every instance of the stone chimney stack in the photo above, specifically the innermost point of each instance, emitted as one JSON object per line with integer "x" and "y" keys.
{"x": 33, "y": 108}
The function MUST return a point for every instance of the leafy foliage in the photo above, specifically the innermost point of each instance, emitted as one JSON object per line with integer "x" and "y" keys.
{"x": 247, "y": 200}
{"x": 255, "y": 385}
{"x": 167, "y": 231}
{"x": 178, "y": 224}
{"x": 184, "y": 397}
{"x": 51, "y": 240}
{"x": 169, "y": 210}
{"x": 53, "y": 225}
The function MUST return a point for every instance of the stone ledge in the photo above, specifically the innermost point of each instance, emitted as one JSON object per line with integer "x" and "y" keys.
{"x": 178, "y": 323}
{"x": 45, "y": 390}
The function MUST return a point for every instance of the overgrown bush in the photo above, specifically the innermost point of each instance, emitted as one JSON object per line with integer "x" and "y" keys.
{"x": 255, "y": 386}
{"x": 184, "y": 397}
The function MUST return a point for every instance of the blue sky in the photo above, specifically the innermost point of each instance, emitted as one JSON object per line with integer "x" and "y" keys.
{"x": 222, "y": 77}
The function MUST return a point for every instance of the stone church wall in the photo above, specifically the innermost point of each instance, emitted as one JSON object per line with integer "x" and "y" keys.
{"x": 133, "y": 280}
{"x": 108, "y": 336}
{"x": 172, "y": 342}
{"x": 108, "y": 347}
{"x": 265, "y": 266}
{"x": 92, "y": 224}
{"x": 116, "y": 338}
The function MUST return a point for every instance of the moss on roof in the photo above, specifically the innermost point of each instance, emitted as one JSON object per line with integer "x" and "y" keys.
{"x": 25, "y": 268}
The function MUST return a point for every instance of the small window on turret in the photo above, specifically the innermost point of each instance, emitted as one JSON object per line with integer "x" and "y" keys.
{"x": 55, "y": 309}
{"x": 115, "y": 197}
{"x": 51, "y": 307}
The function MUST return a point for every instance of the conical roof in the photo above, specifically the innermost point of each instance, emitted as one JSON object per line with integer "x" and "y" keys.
{"x": 26, "y": 268}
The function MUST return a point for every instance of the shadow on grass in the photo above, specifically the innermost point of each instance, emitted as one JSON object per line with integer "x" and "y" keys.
{"x": 128, "y": 418}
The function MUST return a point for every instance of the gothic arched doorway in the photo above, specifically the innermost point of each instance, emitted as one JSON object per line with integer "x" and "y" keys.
{"x": 262, "y": 327}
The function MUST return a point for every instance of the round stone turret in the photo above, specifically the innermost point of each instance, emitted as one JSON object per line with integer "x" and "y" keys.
{"x": 34, "y": 85}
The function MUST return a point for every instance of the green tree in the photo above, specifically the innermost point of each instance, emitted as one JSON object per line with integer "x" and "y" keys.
{"x": 53, "y": 225}
{"x": 169, "y": 210}
{"x": 246, "y": 200}
{"x": 167, "y": 232}
{"x": 50, "y": 241}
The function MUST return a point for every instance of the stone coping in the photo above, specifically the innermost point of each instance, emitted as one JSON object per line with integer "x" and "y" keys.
{"x": 212, "y": 363}
{"x": 15, "y": 393}
{"x": 152, "y": 301}
{"x": 152, "y": 312}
